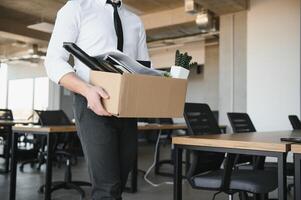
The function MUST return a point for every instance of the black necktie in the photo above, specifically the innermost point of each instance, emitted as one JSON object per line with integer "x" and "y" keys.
{"x": 117, "y": 24}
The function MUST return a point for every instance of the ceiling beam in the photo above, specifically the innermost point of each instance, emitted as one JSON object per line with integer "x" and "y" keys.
{"x": 13, "y": 25}
{"x": 224, "y": 7}
{"x": 166, "y": 18}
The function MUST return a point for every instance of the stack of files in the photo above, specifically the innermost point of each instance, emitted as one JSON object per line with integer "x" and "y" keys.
{"x": 114, "y": 61}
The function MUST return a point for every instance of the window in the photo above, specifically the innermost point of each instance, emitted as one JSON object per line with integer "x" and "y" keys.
{"x": 41, "y": 91}
{"x": 20, "y": 97}
{"x": 25, "y": 95}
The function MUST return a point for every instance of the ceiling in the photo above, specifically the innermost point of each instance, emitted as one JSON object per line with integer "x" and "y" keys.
{"x": 221, "y": 7}
{"x": 149, "y": 6}
{"x": 16, "y": 15}
{"x": 46, "y": 9}
{"x": 39, "y": 9}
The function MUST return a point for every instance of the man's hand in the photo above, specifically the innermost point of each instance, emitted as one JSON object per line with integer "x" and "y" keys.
{"x": 94, "y": 96}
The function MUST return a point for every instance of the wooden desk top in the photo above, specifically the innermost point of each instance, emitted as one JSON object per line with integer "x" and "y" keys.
{"x": 14, "y": 122}
{"x": 263, "y": 141}
{"x": 161, "y": 127}
{"x": 296, "y": 148}
{"x": 44, "y": 129}
{"x": 72, "y": 128}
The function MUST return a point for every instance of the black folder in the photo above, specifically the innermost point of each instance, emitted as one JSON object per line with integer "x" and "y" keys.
{"x": 91, "y": 62}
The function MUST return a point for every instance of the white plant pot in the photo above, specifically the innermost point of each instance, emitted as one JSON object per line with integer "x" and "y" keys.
{"x": 179, "y": 72}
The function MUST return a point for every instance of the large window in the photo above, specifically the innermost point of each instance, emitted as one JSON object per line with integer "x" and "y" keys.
{"x": 41, "y": 93}
{"x": 25, "y": 95}
{"x": 20, "y": 97}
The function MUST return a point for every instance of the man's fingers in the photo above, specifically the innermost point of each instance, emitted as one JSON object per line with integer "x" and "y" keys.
{"x": 99, "y": 109}
{"x": 103, "y": 93}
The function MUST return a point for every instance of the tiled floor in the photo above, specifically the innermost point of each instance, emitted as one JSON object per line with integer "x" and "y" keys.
{"x": 30, "y": 180}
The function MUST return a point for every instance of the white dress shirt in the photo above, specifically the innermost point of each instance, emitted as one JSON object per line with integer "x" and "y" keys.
{"x": 90, "y": 24}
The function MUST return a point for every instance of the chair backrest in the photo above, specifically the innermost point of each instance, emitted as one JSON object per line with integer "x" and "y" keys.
{"x": 53, "y": 118}
{"x": 216, "y": 114}
{"x": 241, "y": 123}
{"x": 296, "y": 124}
{"x": 201, "y": 121}
{"x": 6, "y": 114}
{"x": 56, "y": 118}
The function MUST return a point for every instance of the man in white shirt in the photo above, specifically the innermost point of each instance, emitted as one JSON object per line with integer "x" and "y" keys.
{"x": 109, "y": 143}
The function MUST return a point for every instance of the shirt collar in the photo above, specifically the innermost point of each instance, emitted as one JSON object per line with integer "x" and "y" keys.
{"x": 104, "y": 2}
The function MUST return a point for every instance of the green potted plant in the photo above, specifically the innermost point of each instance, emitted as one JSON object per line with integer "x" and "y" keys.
{"x": 182, "y": 65}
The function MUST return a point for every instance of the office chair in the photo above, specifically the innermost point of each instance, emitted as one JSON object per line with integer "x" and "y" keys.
{"x": 242, "y": 123}
{"x": 61, "y": 149}
{"x": 37, "y": 157}
{"x": 296, "y": 124}
{"x": 205, "y": 170}
{"x": 5, "y": 114}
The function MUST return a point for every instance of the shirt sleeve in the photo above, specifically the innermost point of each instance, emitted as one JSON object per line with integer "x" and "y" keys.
{"x": 142, "y": 46}
{"x": 66, "y": 29}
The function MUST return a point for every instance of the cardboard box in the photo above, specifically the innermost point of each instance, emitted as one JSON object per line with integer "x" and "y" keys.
{"x": 139, "y": 96}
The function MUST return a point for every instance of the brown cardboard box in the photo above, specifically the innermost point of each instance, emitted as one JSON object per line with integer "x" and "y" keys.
{"x": 133, "y": 95}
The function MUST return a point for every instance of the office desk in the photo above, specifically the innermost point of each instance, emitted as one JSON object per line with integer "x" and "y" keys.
{"x": 260, "y": 143}
{"x": 296, "y": 149}
{"x": 50, "y": 132}
{"x": 9, "y": 124}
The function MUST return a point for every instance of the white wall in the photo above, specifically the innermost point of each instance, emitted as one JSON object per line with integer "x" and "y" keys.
{"x": 165, "y": 57}
{"x": 273, "y": 62}
{"x": 202, "y": 88}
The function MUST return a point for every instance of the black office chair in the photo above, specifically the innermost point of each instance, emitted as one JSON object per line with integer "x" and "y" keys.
{"x": 61, "y": 149}
{"x": 296, "y": 124}
{"x": 38, "y": 143}
{"x": 205, "y": 171}
{"x": 5, "y": 114}
{"x": 242, "y": 123}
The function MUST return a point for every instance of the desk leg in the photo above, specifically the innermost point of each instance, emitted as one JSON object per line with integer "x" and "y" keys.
{"x": 177, "y": 187}
{"x": 187, "y": 161}
{"x": 282, "y": 188}
{"x": 157, "y": 151}
{"x": 49, "y": 167}
{"x": 13, "y": 174}
{"x": 297, "y": 178}
{"x": 134, "y": 173}
{"x": 7, "y": 150}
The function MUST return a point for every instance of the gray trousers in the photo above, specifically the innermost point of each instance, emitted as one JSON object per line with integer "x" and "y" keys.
{"x": 109, "y": 145}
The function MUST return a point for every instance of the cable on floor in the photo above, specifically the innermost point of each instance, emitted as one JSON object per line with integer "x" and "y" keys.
{"x": 153, "y": 165}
